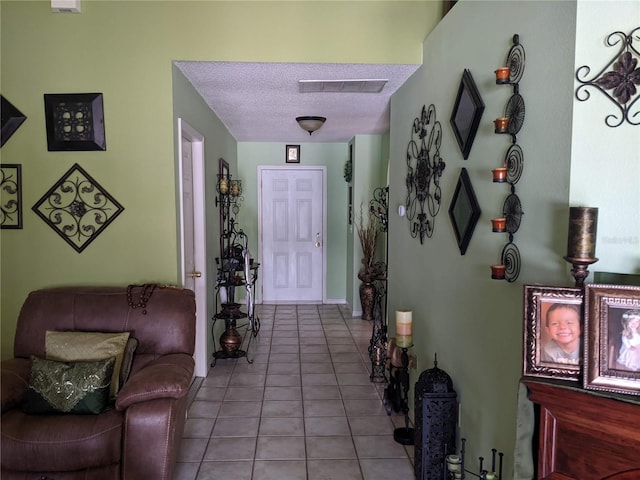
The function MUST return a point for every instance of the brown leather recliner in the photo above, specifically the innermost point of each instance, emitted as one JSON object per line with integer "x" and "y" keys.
{"x": 140, "y": 436}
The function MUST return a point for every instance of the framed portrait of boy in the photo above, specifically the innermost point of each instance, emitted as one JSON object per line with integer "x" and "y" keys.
{"x": 553, "y": 332}
{"x": 612, "y": 340}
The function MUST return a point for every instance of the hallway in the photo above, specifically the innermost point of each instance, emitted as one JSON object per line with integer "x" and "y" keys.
{"x": 304, "y": 409}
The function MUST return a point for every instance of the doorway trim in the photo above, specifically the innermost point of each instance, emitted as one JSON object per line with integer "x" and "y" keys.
{"x": 283, "y": 170}
{"x": 199, "y": 234}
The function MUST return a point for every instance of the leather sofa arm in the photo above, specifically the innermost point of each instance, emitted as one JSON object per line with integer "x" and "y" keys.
{"x": 166, "y": 377}
{"x": 14, "y": 382}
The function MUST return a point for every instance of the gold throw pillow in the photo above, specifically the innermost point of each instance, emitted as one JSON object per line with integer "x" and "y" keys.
{"x": 87, "y": 346}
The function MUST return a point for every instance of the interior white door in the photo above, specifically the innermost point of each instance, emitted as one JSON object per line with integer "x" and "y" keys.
{"x": 292, "y": 234}
{"x": 192, "y": 229}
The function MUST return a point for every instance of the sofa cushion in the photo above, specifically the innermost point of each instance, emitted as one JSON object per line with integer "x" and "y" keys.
{"x": 59, "y": 443}
{"x": 88, "y": 346}
{"x": 68, "y": 387}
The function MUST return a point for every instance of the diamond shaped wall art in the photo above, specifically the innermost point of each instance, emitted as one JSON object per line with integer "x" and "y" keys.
{"x": 78, "y": 208}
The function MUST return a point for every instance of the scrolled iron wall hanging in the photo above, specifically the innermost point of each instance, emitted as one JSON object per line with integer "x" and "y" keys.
{"x": 424, "y": 169}
{"x": 77, "y": 208}
{"x": 621, "y": 79}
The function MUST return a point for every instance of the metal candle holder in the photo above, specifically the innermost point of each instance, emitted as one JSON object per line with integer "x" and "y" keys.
{"x": 404, "y": 435}
{"x": 454, "y": 468}
{"x": 581, "y": 242}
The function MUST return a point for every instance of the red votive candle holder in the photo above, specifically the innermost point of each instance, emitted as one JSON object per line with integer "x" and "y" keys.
{"x": 501, "y": 124}
{"x": 499, "y": 174}
{"x": 497, "y": 272}
{"x": 502, "y": 74}
{"x": 499, "y": 224}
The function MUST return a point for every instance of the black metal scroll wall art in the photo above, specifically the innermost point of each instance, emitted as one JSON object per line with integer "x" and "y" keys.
{"x": 617, "y": 80}
{"x": 513, "y": 164}
{"x": 77, "y": 208}
{"x": 424, "y": 169}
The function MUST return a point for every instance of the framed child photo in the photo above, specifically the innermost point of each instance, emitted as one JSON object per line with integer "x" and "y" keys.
{"x": 612, "y": 339}
{"x": 553, "y": 332}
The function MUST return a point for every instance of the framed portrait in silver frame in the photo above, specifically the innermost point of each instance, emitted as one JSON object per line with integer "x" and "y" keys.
{"x": 553, "y": 332}
{"x": 612, "y": 338}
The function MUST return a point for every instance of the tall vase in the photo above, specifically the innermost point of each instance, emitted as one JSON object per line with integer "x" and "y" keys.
{"x": 367, "y": 300}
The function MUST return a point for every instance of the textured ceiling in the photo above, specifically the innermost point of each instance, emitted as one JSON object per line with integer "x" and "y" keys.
{"x": 259, "y": 102}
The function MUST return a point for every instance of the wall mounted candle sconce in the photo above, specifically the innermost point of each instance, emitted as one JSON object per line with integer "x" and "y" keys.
{"x": 229, "y": 193}
{"x": 228, "y": 198}
{"x": 619, "y": 80}
{"x": 424, "y": 169}
{"x": 511, "y": 170}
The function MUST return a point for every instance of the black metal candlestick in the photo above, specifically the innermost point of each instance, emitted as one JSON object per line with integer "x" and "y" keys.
{"x": 404, "y": 435}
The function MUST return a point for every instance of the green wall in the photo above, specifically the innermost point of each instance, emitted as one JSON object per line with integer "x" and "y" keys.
{"x": 125, "y": 51}
{"x": 475, "y": 324}
{"x": 369, "y": 173}
{"x": 189, "y": 106}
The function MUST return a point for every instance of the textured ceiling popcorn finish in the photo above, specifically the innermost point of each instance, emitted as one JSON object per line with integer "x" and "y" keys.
{"x": 259, "y": 102}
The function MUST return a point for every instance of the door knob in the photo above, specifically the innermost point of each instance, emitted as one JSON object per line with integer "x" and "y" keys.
{"x": 194, "y": 274}
{"x": 318, "y": 244}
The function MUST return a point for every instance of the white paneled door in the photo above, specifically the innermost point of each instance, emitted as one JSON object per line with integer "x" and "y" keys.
{"x": 292, "y": 204}
{"x": 193, "y": 235}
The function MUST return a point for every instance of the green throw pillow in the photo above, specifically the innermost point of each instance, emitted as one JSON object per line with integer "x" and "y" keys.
{"x": 68, "y": 387}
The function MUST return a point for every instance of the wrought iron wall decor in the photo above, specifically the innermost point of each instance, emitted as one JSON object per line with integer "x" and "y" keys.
{"x": 77, "y": 208}
{"x": 10, "y": 196}
{"x": 424, "y": 169}
{"x": 11, "y": 119}
{"x": 621, "y": 80}
{"x": 379, "y": 207}
{"x": 513, "y": 165}
{"x": 75, "y": 121}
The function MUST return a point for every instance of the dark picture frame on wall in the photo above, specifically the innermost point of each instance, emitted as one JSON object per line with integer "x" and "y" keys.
{"x": 612, "y": 325}
{"x": 547, "y": 310}
{"x": 467, "y": 113}
{"x": 464, "y": 211}
{"x": 75, "y": 122}
{"x": 10, "y": 196}
{"x": 292, "y": 154}
{"x": 11, "y": 119}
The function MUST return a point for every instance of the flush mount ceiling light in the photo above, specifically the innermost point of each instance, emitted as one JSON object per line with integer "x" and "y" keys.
{"x": 310, "y": 124}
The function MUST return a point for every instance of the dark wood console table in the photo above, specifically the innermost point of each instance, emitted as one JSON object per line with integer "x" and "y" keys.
{"x": 585, "y": 436}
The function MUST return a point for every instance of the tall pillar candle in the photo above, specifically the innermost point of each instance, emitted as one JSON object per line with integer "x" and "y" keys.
{"x": 404, "y": 328}
{"x": 583, "y": 226}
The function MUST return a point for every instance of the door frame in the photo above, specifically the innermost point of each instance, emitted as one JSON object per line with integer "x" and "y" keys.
{"x": 199, "y": 238}
{"x": 283, "y": 170}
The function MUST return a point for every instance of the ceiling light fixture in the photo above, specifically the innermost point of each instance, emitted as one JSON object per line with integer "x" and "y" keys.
{"x": 310, "y": 124}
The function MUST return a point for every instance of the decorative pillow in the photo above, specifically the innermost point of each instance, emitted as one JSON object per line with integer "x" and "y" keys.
{"x": 88, "y": 346}
{"x": 68, "y": 387}
{"x": 127, "y": 361}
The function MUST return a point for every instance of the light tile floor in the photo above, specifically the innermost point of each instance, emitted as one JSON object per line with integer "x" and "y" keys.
{"x": 305, "y": 409}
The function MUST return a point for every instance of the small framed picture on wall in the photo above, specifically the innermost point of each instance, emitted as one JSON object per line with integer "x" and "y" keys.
{"x": 292, "y": 154}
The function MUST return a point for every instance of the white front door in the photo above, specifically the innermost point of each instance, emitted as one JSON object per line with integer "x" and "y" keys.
{"x": 292, "y": 219}
{"x": 192, "y": 231}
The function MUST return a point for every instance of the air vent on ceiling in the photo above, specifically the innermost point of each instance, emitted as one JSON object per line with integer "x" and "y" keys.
{"x": 341, "y": 86}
